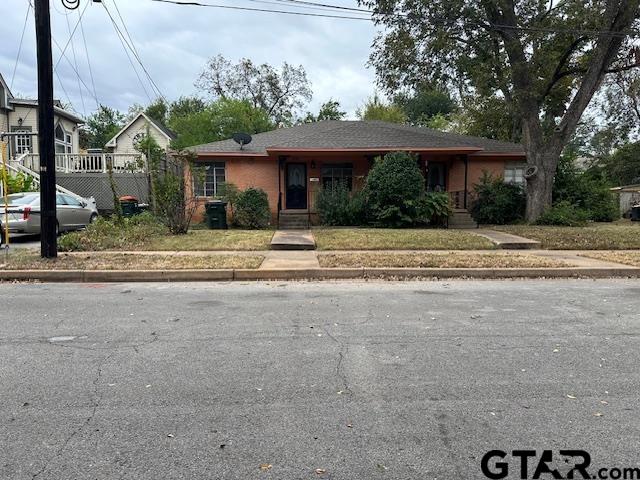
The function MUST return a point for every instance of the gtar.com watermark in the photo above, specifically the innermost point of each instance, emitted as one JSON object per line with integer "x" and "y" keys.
{"x": 532, "y": 465}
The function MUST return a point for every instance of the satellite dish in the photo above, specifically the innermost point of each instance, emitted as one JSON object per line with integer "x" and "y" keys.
{"x": 242, "y": 139}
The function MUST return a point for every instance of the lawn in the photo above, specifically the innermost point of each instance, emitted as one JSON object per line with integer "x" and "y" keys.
{"x": 434, "y": 260}
{"x": 397, "y": 239}
{"x": 626, "y": 258}
{"x": 598, "y": 236}
{"x": 212, "y": 240}
{"x": 26, "y": 260}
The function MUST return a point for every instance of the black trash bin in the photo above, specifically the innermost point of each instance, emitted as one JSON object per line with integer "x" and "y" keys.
{"x": 129, "y": 206}
{"x": 216, "y": 215}
{"x": 635, "y": 213}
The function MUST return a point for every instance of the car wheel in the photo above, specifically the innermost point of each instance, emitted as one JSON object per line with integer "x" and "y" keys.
{"x": 57, "y": 229}
{"x": 93, "y": 218}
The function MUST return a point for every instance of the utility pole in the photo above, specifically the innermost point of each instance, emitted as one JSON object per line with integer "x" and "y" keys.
{"x": 48, "y": 220}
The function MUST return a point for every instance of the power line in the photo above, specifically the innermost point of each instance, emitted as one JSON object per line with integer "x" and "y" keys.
{"x": 72, "y": 34}
{"x": 590, "y": 33}
{"x": 75, "y": 61}
{"x": 24, "y": 28}
{"x": 327, "y": 6}
{"x": 265, "y": 10}
{"x": 86, "y": 50}
{"x": 124, "y": 41}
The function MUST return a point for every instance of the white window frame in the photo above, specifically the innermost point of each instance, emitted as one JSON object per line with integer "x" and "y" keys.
{"x": 66, "y": 142}
{"x": 22, "y": 143}
{"x": 514, "y": 173}
{"x": 209, "y": 187}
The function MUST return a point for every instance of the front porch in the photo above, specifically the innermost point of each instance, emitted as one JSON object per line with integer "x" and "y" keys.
{"x": 300, "y": 178}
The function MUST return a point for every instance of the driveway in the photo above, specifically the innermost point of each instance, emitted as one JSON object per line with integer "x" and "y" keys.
{"x": 314, "y": 381}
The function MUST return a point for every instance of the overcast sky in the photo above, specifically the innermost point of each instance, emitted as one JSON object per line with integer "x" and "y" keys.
{"x": 174, "y": 43}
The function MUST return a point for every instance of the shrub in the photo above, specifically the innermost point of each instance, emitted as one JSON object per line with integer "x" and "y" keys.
{"x": 497, "y": 202}
{"x": 395, "y": 190}
{"x": 336, "y": 205}
{"x": 587, "y": 190}
{"x": 17, "y": 183}
{"x": 252, "y": 209}
{"x": 435, "y": 208}
{"x": 110, "y": 234}
{"x": 564, "y": 214}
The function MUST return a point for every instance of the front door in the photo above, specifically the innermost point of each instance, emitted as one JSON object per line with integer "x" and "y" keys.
{"x": 296, "y": 186}
{"x": 436, "y": 177}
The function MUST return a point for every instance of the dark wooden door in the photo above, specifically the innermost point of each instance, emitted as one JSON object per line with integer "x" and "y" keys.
{"x": 296, "y": 186}
{"x": 436, "y": 177}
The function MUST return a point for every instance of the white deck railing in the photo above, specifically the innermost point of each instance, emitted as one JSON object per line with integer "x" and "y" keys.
{"x": 89, "y": 162}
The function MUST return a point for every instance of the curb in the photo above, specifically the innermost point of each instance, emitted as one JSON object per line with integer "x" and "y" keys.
{"x": 105, "y": 276}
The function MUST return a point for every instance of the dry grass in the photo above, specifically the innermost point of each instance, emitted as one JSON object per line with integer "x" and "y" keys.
{"x": 398, "y": 239}
{"x": 213, "y": 240}
{"x": 435, "y": 260}
{"x": 626, "y": 258}
{"x": 599, "y": 236}
{"x": 27, "y": 260}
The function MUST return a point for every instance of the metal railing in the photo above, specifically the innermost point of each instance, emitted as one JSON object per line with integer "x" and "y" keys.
{"x": 88, "y": 162}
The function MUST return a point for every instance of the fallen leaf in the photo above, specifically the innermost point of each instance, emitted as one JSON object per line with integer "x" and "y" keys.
{"x": 265, "y": 467}
{"x": 320, "y": 471}
{"x": 349, "y": 425}
{"x": 170, "y": 435}
{"x": 604, "y": 402}
{"x": 597, "y": 414}
{"x": 555, "y": 350}
{"x": 571, "y": 397}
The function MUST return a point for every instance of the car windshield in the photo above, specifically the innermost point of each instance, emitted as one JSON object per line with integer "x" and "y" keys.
{"x": 22, "y": 199}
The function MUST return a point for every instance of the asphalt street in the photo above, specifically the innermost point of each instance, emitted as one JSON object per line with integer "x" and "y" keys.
{"x": 376, "y": 380}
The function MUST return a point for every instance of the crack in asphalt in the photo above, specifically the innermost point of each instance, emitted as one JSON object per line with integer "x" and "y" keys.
{"x": 340, "y": 371}
{"x": 96, "y": 400}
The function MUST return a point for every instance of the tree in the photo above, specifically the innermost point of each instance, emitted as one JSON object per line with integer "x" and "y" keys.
{"x": 425, "y": 103}
{"x": 219, "y": 121}
{"x": 102, "y": 126}
{"x": 158, "y": 110}
{"x": 546, "y": 60}
{"x": 623, "y": 167}
{"x": 278, "y": 92}
{"x": 185, "y": 106}
{"x": 376, "y": 109}
{"x": 329, "y": 110}
{"x": 621, "y": 103}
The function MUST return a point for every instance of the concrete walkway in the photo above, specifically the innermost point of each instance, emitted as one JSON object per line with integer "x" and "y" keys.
{"x": 293, "y": 240}
{"x": 290, "y": 259}
{"x": 506, "y": 241}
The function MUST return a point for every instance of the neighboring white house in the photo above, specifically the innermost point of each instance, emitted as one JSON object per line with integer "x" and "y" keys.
{"x": 125, "y": 140}
{"x": 21, "y": 115}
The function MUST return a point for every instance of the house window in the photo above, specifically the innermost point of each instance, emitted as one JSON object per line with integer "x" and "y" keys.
{"x": 207, "y": 178}
{"x": 336, "y": 173}
{"x": 21, "y": 143}
{"x": 63, "y": 140}
{"x": 514, "y": 173}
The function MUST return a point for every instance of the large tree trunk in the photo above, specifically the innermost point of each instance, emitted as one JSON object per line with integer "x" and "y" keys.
{"x": 540, "y": 186}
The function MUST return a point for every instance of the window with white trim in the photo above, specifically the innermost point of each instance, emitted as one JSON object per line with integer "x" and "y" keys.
{"x": 514, "y": 173}
{"x": 208, "y": 178}
{"x": 64, "y": 142}
{"x": 22, "y": 143}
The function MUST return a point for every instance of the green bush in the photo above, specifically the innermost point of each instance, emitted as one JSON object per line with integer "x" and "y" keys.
{"x": 497, "y": 202}
{"x": 336, "y": 205}
{"x": 564, "y": 214}
{"x": 18, "y": 183}
{"x": 588, "y": 191}
{"x": 252, "y": 209}
{"x": 435, "y": 208}
{"x": 395, "y": 190}
{"x": 109, "y": 234}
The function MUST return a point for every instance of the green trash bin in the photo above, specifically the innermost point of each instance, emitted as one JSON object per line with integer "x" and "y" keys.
{"x": 216, "y": 215}
{"x": 129, "y": 206}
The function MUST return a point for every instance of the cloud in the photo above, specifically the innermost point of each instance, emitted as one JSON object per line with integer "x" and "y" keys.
{"x": 174, "y": 43}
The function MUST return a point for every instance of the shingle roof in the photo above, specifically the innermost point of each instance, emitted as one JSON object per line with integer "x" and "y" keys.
{"x": 334, "y": 134}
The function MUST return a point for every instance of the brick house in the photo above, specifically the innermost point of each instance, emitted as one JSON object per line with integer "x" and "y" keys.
{"x": 292, "y": 164}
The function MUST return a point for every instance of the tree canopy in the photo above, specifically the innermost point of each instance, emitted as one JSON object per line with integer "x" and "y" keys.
{"x": 279, "y": 92}
{"x": 376, "y": 109}
{"x": 101, "y": 127}
{"x": 545, "y": 60}
{"x": 329, "y": 110}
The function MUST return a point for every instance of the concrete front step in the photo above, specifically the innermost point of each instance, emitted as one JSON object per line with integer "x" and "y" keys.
{"x": 461, "y": 219}
{"x": 293, "y": 221}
